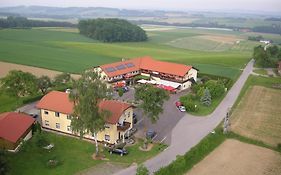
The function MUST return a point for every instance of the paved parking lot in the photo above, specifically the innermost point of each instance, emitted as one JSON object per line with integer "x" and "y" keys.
{"x": 167, "y": 120}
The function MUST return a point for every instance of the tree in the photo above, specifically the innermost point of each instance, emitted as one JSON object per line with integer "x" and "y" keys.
{"x": 216, "y": 88}
{"x": 87, "y": 116}
{"x": 120, "y": 92}
{"x": 20, "y": 83}
{"x": 44, "y": 82}
{"x": 62, "y": 79}
{"x": 151, "y": 101}
{"x": 142, "y": 170}
{"x": 3, "y": 163}
{"x": 206, "y": 99}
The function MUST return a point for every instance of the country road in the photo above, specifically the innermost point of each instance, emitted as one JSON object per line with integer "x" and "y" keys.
{"x": 190, "y": 130}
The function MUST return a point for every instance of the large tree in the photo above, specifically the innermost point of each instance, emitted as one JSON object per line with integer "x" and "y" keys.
{"x": 151, "y": 102}
{"x": 19, "y": 83}
{"x": 44, "y": 82}
{"x": 87, "y": 117}
{"x": 62, "y": 79}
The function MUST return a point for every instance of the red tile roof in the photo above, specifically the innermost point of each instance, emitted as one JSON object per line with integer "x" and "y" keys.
{"x": 13, "y": 125}
{"x": 59, "y": 102}
{"x": 147, "y": 63}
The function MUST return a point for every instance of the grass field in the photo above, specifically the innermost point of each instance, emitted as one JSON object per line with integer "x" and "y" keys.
{"x": 74, "y": 154}
{"x": 63, "y": 49}
{"x": 257, "y": 116}
{"x": 260, "y": 71}
{"x": 252, "y": 160}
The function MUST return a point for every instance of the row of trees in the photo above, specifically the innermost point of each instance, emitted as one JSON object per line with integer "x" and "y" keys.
{"x": 276, "y": 29}
{"x": 111, "y": 30}
{"x": 267, "y": 57}
{"x": 22, "y": 22}
{"x": 23, "y": 84}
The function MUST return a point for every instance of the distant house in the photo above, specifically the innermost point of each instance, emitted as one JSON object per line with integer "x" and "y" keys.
{"x": 14, "y": 127}
{"x": 279, "y": 68}
{"x": 56, "y": 109}
{"x": 266, "y": 41}
{"x": 178, "y": 76}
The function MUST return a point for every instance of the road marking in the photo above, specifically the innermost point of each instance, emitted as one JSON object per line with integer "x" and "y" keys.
{"x": 154, "y": 137}
{"x": 163, "y": 139}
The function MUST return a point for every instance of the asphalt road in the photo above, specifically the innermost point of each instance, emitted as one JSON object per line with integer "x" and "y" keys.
{"x": 190, "y": 130}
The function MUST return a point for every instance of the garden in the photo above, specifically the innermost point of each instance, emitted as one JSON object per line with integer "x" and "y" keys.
{"x": 206, "y": 95}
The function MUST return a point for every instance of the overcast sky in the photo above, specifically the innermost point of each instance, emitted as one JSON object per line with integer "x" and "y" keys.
{"x": 253, "y": 5}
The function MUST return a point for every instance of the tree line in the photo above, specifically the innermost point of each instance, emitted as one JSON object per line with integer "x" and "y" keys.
{"x": 267, "y": 57}
{"x": 111, "y": 30}
{"x": 275, "y": 29}
{"x": 22, "y": 22}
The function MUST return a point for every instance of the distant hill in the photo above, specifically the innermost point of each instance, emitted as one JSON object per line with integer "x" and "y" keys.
{"x": 75, "y": 12}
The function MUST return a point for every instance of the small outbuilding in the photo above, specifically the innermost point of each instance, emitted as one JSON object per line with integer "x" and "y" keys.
{"x": 14, "y": 127}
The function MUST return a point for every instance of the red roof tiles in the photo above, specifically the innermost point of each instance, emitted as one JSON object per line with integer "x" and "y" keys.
{"x": 59, "y": 102}
{"x": 13, "y": 125}
{"x": 147, "y": 63}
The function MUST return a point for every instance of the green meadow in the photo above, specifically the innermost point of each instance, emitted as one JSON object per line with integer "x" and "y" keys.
{"x": 64, "y": 49}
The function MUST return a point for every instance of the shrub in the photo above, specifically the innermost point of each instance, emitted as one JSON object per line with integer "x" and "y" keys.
{"x": 216, "y": 88}
{"x": 142, "y": 170}
{"x": 40, "y": 139}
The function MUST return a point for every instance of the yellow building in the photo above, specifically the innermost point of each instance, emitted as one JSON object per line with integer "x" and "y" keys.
{"x": 56, "y": 109}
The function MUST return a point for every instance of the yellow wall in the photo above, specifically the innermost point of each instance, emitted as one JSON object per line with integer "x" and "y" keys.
{"x": 111, "y": 129}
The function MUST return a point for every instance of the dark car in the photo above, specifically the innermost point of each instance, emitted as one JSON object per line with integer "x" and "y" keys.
{"x": 120, "y": 151}
{"x": 150, "y": 134}
{"x": 135, "y": 120}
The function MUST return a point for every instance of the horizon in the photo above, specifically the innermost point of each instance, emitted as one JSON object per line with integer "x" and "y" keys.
{"x": 261, "y": 6}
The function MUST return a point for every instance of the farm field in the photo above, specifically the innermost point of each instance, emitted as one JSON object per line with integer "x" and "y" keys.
{"x": 65, "y": 50}
{"x": 257, "y": 116}
{"x": 233, "y": 157}
{"x": 6, "y": 67}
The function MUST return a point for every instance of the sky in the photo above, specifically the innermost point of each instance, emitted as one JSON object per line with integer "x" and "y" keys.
{"x": 243, "y": 5}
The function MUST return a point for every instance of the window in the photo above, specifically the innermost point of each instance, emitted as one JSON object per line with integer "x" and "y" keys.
{"x": 68, "y": 117}
{"x": 46, "y": 112}
{"x": 106, "y": 137}
{"x": 129, "y": 114}
{"x": 57, "y": 125}
{"x": 106, "y": 126}
{"x": 57, "y": 114}
{"x": 68, "y": 128}
{"x": 46, "y": 123}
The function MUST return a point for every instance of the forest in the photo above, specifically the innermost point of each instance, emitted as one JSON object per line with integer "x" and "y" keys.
{"x": 111, "y": 30}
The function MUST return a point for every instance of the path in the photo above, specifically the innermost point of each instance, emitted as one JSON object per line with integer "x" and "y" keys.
{"x": 190, "y": 130}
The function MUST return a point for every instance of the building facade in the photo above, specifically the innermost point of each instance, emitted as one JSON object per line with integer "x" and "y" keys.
{"x": 56, "y": 109}
{"x": 179, "y": 76}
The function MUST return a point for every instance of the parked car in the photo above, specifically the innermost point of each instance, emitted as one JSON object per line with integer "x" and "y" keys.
{"x": 150, "y": 134}
{"x": 119, "y": 151}
{"x": 180, "y": 106}
{"x": 135, "y": 120}
{"x": 125, "y": 89}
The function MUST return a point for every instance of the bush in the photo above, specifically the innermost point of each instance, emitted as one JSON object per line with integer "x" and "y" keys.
{"x": 188, "y": 102}
{"x": 40, "y": 139}
{"x": 216, "y": 88}
{"x": 142, "y": 170}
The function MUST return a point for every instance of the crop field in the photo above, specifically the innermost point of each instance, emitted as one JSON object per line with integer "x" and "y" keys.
{"x": 233, "y": 157}
{"x": 257, "y": 116}
{"x": 63, "y": 49}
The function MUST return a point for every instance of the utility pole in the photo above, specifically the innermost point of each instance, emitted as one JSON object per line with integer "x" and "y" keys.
{"x": 226, "y": 123}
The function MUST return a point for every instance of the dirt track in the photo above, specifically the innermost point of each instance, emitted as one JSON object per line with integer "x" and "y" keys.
{"x": 6, "y": 67}
{"x": 237, "y": 158}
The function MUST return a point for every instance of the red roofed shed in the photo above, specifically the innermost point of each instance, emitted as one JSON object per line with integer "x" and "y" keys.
{"x": 14, "y": 127}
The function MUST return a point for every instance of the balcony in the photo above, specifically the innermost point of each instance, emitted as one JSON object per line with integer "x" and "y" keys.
{"x": 124, "y": 127}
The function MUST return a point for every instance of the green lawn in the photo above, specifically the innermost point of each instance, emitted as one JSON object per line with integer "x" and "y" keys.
{"x": 70, "y": 52}
{"x": 74, "y": 155}
{"x": 260, "y": 71}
